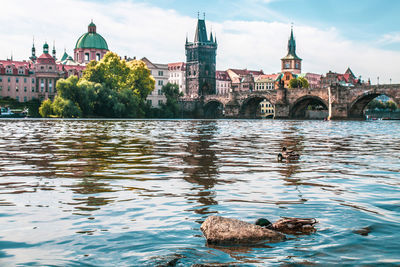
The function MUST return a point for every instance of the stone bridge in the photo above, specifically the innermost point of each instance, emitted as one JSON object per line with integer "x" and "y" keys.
{"x": 338, "y": 102}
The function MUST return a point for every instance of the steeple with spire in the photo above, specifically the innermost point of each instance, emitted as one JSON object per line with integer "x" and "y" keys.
{"x": 53, "y": 52}
{"x": 201, "y": 62}
{"x": 291, "y": 62}
{"x": 33, "y": 56}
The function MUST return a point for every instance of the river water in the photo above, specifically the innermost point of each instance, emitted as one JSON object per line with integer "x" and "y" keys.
{"x": 135, "y": 192}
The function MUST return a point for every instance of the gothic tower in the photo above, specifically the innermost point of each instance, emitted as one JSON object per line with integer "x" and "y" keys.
{"x": 200, "y": 63}
{"x": 291, "y": 62}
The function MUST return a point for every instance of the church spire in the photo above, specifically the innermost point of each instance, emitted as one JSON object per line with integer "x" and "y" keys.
{"x": 292, "y": 44}
{"x": 33, "y": 56}
{"x": 54, "y": 50}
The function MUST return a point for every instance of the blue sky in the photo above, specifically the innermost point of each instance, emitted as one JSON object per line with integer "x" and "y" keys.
{"x": 253, "y": 34}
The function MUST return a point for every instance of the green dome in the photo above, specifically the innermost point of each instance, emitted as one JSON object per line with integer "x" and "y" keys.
{"x": 91, "y": 40}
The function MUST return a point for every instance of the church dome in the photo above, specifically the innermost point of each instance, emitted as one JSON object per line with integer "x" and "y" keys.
{"x": 91, "y": 39}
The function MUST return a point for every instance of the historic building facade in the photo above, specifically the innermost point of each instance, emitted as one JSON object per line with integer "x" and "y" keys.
{"x": 177, "y": 75}
{"x": 90, "y": 46}
{"x": 201, "y": 63}
{"x": 160, "y": 75}
{"x": 36, "y": 78}
{"x": 223, "y": 83}
{"x": 291, "y": 62}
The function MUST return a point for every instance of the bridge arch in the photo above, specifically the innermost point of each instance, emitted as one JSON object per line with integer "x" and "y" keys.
{"x": 300, "y": 108}
{"x": 250, "y": 107}
{"x": 213, "y": 109}
{"x": 357, "y": 107}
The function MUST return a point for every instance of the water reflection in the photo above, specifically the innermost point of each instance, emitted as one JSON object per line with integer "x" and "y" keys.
{"x": 201, "y": 161}
{"x": 141, "y": 188}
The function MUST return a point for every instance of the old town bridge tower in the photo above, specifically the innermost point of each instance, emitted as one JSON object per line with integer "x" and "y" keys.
{"x": 200, "y": 63}
{"x": 291, "y": 62}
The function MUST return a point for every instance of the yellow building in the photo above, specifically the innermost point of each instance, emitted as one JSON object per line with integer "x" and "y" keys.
{"x": 267, "y": 109}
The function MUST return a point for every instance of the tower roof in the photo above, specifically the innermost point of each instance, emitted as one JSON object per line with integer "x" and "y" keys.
{"x": 201, "y": 32}
{"x": 91, "y": 39}
{"x": 291, "y": 47}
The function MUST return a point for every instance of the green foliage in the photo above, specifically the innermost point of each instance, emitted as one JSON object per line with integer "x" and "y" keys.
{"x": 293, "y": 83}
{"x": 171, "y": 108}
{"x": 46, "y": 109}
{"x": 125, "y": 86}
{"x": 299, "y": 82}
{"x": 65, "y": 108}
{"x": 379, "y": 105}
{"x": 109, "y": 88}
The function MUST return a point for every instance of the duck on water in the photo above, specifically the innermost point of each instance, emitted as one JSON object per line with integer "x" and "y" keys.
{"x": 287, "y": 155}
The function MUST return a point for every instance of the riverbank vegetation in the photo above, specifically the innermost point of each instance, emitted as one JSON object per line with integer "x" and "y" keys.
{"x": 111, "y": 88}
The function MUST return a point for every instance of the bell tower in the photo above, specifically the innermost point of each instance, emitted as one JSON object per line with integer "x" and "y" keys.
{"x": 201, "y": 63}
{"x": 291, "y": 62}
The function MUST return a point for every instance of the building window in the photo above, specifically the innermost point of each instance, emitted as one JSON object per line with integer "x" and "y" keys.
{"x": 287, "y": 65}
{"x": 8, "y": 88}
{"x": 1, "y": 87}
{"x": 25, "y": 99}
{"x": 17, "y": 98}
{"x": 160, "y": 82}
{"x": 50, "y": 68}
{"x": 41, "y": 85}
{"x": 16, "y": 80}
{"x": 159, "y": 92}
{"x": 25, "y": 89}
{"x": 33, "y": 80}
{"x": 1, "y": 79}
{"x": 9, "y": 71}
{"x": 297, "y": 65}
{"x": 24, "y": 80}
{"x": 42, "y": 67}
{"x": 149, "y": 102}
{"x": 33, "y": 89}
{"x": 16, "y": 88}
{"x": 86, "y": 56}
{"x": 160, "y": 102}
{"x": 98, "y": 57}
{"x": 160, "y": 73}
{"x": 50, "y": 85}
{"x": 9, "y": 79}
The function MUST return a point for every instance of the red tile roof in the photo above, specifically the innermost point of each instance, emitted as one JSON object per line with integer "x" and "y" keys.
{"x": 222, "y": 75}
{"x": 244, "y": 72}
{"x": 177, "y": 66}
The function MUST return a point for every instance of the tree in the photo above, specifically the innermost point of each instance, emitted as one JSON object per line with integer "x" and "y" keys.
{"x": 80, "y": 92}
{"x": 65, "y": 108}
{"x": 117, "y": 78}
{"x": 391, "y": 105}
{"x": 46, "y": 109}
{"x": 294, "y": 83}
{"x": 299, "y": 82}
{"x": 303, "y": 83}
{"x": 171, "y": 108}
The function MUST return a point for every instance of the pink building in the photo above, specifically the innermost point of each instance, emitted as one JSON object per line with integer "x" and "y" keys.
{"x": 37, "y": 77}
{"x": 314, "y": 80}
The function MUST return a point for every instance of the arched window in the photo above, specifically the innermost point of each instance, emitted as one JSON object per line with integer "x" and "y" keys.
{"x": 97, "y": 57}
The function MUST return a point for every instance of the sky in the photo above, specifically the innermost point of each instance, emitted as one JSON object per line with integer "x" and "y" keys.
{"x": 330, "y": 35}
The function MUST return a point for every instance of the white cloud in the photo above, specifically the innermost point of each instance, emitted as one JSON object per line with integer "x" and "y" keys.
{"x": 138, "y": 29}
{"x": 390, "y": 38}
